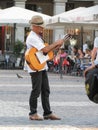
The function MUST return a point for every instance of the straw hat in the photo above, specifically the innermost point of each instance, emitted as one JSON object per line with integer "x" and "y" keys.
{"x": 37, "y": 20}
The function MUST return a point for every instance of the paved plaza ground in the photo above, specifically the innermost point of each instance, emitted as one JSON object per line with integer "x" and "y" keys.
{"x": 68, "y": 100}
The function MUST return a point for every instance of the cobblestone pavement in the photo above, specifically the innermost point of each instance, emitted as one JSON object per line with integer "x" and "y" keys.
{"x": 68, "y": 100}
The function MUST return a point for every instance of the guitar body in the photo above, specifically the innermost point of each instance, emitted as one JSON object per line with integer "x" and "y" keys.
{"x": 32, "y": 60}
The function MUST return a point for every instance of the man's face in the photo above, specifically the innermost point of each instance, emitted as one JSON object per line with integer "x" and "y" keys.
{"x": 40, "y": 30}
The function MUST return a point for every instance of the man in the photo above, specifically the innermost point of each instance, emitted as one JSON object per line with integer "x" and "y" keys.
{"x": 91, "y": 75}
{"x": 40, "y": 84}
{"x": 94, "y": 57}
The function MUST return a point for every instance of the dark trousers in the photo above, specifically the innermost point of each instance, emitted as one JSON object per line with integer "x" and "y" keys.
{"x": 40, "y": 85}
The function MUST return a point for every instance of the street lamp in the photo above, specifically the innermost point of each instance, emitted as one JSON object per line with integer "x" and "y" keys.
{"x": 73, "y": 41}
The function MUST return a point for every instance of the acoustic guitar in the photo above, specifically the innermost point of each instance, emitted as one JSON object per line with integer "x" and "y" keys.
{"x": 33, "y": 60}
{"x": 36, "y": 59}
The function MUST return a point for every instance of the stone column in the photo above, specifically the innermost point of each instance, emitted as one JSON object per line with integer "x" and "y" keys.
{"x": 96, "y": 2}
{"x": 19, "y": 34}
{"x": 96, "y": 31}
{"x": 20, "y": 3}
{"x": 59, "y": 7}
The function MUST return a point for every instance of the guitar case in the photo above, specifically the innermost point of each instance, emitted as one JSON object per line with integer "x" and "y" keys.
{"x": 91, "y": 85}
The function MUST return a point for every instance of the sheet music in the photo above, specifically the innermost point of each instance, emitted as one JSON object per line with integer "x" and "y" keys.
{"x": 41, "y": 57}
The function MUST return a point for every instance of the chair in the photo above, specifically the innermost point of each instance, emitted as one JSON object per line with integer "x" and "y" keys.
{"x": 85, "y": 62}
{"x": 2, "y": 61}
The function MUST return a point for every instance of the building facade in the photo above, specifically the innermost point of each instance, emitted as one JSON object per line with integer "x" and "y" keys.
{"x": 49, "y": 7}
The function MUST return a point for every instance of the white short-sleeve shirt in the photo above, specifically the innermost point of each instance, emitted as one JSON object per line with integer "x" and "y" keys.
{"x": 96, "y": 45}
{"x": 33, "y": 40}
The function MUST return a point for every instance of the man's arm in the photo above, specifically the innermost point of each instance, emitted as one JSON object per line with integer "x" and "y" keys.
{"x": 94, "y": 51}
{"x": 89, "y": 68}
{"x": 53, "y": 46}
{"x": 56, "y": 44}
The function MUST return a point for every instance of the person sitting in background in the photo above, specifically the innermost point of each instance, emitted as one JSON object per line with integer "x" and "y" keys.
{"x": 63, "y": 64}
{"x": 56, "y": 61}
{"x": 64, "y": 55}
{"x": 80, "y": 53}
{"x": 75, "y": 52}
{"x": 85, "y": 46}
{"x": 61, "y": 54}
{"x": 87, "y": 53}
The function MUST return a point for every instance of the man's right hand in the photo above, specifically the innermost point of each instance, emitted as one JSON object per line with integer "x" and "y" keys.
{"x": 59, "y": 42}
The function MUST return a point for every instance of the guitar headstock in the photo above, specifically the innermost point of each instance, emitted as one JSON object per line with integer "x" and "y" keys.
{"x": 67, "y": 37}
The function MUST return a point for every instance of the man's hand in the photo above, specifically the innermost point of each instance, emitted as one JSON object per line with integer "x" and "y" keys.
{"x": 59, "y": 42}
{"x": 56, "y": 45}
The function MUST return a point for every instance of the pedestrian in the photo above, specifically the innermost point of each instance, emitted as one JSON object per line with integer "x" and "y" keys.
{"x": 39, "y": 79}
{"x": 94, "y": 57}
{"x": 91, "y": 75}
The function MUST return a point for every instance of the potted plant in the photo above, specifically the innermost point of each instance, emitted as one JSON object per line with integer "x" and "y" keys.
{"x": 18, "y": 47}
{"x": 17, "y": 51}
